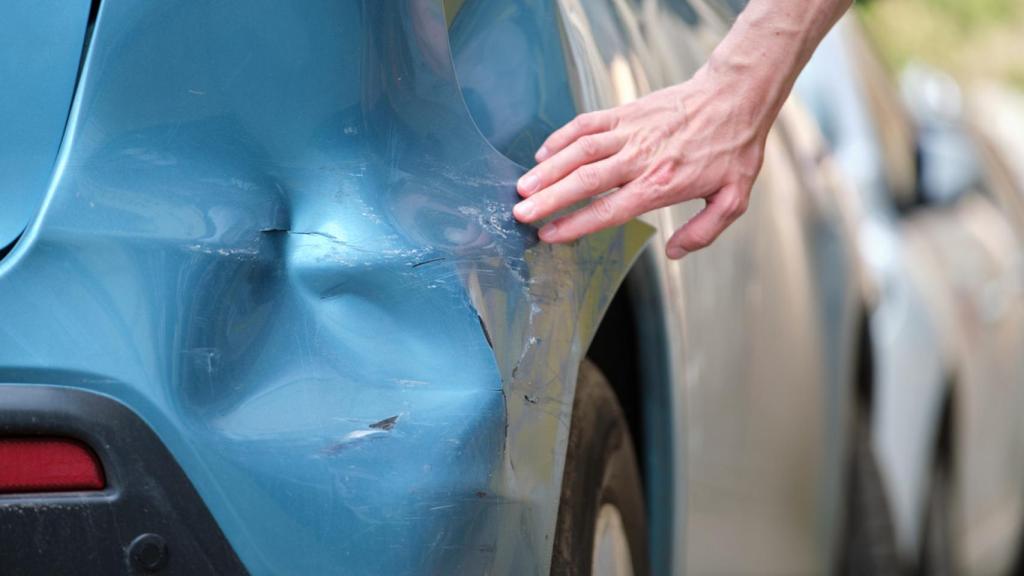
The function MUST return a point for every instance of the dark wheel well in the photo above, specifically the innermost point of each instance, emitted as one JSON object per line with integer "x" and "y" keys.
{"x": 631, "y": 349}
{"x": 944, "y": 445}
{"x": 600, "y": 469}
{"x": 615, "y": 352}
{"x": 867, "y": 540}
{"x": 938, "y": 553}
{"x": 865, "y": 371}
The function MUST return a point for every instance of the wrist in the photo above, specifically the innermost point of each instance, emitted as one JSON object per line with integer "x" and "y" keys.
{"x": 753, "y": 93}
{"x": 758, "y": 61}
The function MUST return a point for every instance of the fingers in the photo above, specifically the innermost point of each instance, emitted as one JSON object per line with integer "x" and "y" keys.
{"x": 603, "y": 212}
{"x": 585, "y": 150}
{"x": 582, "y": 125}
{"x": 722, "y": 209}
{"x": 586, "y": 181}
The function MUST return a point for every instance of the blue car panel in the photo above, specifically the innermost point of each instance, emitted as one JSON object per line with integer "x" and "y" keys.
{"x": 512, "y": 78}
{"x": 40, "y": 51}
{"x": 276, "y": 234}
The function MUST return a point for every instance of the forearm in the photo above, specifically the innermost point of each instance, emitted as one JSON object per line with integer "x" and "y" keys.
{"x": 767, "y": 47}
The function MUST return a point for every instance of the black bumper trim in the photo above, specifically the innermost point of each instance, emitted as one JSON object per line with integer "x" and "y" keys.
{"x": 93, "y": 532}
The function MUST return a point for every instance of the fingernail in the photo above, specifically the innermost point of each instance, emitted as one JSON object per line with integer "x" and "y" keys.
{"x": 547, "y": 232}
{"x": 542, "y": 154}
{"x": 523, "y": 210}
{"x": 675, "y": 252}
{"x": 528, "y": 183}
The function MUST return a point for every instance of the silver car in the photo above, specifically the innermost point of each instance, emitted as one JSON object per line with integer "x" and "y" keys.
{"x": 756, "y": 453}
{"x": 939, "y": 232}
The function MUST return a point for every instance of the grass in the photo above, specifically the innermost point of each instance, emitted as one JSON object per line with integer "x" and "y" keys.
{"x": 969, "y": 38}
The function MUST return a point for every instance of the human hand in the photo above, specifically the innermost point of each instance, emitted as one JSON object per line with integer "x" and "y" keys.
{"x": 703, "y": 139}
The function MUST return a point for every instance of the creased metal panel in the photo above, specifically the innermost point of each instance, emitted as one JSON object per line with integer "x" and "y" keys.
{"x": 277, "y": 236}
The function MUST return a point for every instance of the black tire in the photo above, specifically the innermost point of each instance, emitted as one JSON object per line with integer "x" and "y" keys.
{"x": 870, "y": 537}
{"x": 600, "y": 468}
{"x": 937, "y": 557}
{"x": 1018, "y": 561}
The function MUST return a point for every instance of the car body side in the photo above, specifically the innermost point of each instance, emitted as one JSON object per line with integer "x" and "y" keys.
{"x": 272, "y": 227}
{"x": 762, "y": 327}
{"x": 946, "y": 379}
{"x": 276, "y": 234}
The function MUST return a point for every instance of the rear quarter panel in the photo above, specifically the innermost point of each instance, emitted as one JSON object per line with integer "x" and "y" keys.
{"x": 276, "y": 234}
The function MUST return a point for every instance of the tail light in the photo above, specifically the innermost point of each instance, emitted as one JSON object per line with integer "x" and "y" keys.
{"x": 48, "y": 465}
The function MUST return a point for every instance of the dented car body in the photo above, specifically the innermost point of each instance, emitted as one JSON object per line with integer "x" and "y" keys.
{"x": 264, "y": 255}
{"x": 275, "y": 284}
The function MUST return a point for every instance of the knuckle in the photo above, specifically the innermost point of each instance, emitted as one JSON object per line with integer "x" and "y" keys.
{"x": 702, "y": 238}
{"x": 603, "y": 210}
{"x": 585, "y": 121}
{"x": 588, "y": 178}
{"x": 735, "y": 205}
{"x": 627, "y": 154}
{"x": 742, "y": 205}
{"x": 590, "y": 146}
{"x": 663, "y": 172}
{"x": 634, "y": 155}
{"x": 621, "y": 165}
{"x": 652, "y": 199}
{"x": 646, "y": 151}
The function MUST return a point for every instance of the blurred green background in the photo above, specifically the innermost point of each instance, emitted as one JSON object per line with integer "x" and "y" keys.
{"x": 972, "y": 39}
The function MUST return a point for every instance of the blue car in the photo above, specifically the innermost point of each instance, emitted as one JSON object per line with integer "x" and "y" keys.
{"x": 264, "y": 308}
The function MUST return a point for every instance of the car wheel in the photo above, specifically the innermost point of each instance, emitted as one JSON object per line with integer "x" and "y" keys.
{"x": 870, "y": 536}
{"x": 937, "y": 558}
{"x": 601, "y": 528}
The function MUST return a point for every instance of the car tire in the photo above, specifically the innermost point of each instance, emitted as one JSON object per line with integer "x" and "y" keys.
{"x": 870, "y": 535}
{"x": 937, "y": 556}
{"x": 601, "y": 487}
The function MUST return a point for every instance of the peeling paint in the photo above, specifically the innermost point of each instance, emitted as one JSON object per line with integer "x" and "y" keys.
{"x": 385, "y": 424}
{"x": 430, "y": 261}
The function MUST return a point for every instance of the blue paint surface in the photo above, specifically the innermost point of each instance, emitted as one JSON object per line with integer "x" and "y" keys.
{"x": 512, "y": 72}
{"x": 40, "y": 49}
{"x": 274, "y": 226}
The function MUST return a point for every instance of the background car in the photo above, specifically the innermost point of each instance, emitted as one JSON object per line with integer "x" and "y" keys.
{"x": 273, "y": 307}
{"x": 940, "y": 236}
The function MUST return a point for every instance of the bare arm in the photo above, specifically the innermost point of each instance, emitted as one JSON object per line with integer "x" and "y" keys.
{"x": 703, "y": 138}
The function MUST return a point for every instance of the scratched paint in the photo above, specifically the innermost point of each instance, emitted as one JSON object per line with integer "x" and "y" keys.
{"x": 275, "y": 233}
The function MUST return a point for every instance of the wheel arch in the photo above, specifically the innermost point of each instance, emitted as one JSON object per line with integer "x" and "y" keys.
{"x": 632, "y": 349}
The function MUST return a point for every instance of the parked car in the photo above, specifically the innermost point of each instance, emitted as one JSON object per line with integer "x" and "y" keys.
{"x": 940, "y": 236}
{"x": 268, "y": 309}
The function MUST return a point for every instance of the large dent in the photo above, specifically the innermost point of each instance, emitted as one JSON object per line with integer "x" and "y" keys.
{"x": 277, "y": 236}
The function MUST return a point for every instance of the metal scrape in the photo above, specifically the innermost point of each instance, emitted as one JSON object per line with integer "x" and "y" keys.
{"x": 487, "y": 335}
{"x": 430, "y": 261}
{"x": 385, "y": 424}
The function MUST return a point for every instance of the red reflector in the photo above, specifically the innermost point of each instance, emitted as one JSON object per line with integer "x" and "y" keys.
{"x": 48, "y": 465}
